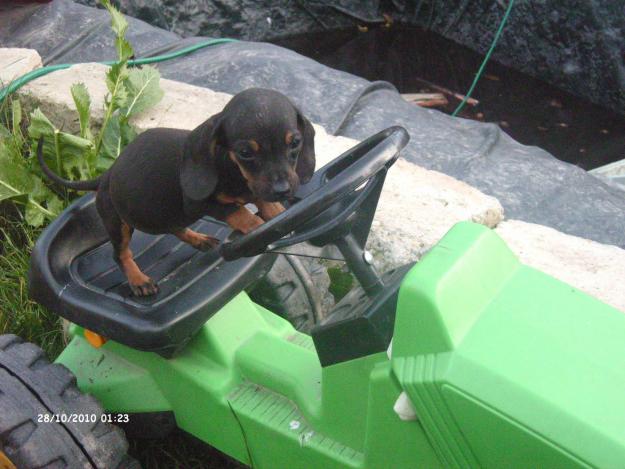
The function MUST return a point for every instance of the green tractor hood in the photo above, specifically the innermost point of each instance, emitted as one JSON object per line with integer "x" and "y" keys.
{"x": 506, "y": 364}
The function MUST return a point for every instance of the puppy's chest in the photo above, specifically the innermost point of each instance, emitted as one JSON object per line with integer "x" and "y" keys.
{"x": 220, "y": 205}
{"x": 232, "y": 189}
{"x": 242, "y": 199}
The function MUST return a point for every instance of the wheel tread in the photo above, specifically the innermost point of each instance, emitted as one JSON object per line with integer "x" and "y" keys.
{"x": 51, "y": 388}
{"x": 8, "y": 339}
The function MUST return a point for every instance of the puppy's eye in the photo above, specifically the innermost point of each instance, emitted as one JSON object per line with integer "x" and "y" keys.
{"x": 246, "y": 154}
{"x": 295, "y": 142}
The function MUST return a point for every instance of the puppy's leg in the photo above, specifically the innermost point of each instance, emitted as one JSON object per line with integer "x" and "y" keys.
{"x": 199, "y": 241}
{"x": 269, "y": 210}
{"x": 140, "y": 284}
{"x": 243, "y": 220}
{"x": 120, "y": 234}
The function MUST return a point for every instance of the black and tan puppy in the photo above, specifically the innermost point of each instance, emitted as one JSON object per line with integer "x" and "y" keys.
{"x": 258, "y": 149}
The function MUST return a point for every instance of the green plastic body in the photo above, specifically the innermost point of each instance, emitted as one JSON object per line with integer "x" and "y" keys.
{"x": 505, "y": 366}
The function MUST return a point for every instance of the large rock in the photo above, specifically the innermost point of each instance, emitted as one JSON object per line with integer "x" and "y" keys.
{"x": 597, "y": 269}
{"x": 15, "y": 62}
{"x": 418, "y": 207}
{"x": 183, "y": 106}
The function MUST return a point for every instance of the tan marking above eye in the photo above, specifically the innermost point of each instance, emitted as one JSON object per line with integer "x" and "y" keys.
{"x": 246, "y": 175}
{"x": 288, "y": 138}
{"x": 254, "y": 144}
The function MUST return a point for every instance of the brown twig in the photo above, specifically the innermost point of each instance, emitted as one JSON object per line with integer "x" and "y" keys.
{"x": 426, "y": 99}
{"x": 470, "y": 101}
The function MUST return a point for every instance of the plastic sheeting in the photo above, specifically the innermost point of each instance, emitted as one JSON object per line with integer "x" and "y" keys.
{"x": 251, "y": 20}
{"x": 576, "y": 45}
{"x": 530, "y": 183}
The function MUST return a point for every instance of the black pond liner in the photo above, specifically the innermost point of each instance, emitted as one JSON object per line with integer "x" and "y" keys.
{"x": 577, "y": 46}
{"x": 530, "y": 183}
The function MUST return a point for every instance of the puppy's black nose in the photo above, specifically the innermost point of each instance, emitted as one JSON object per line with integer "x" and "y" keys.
{"x": 281, "y": 188}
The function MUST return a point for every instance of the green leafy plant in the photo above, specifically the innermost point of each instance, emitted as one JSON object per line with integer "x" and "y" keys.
{"x": 131, "y": 90}
{"x": 17, "y": 181}
{"x": 341, "y": 282}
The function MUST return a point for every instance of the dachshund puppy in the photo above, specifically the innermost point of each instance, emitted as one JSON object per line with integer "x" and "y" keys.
{"x": 258, "y": 149}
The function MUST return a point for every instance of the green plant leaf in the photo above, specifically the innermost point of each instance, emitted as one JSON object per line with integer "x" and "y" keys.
{"x": 33, "y": 214}
{"x": 20, "y": 185}
{"x": 115, "y": 78}
{"x": 119, "y": 25}
{"x": 117, "y": 135}
{"x": 68, "y": 155}
{"x": 8, "y": 141}
{"x": 82, "y": 101}
{"x": 115, "y": 100}
{"x": 111, "y": 139}
{"x": 40, "y": 126}
{"x": 4, "y": 133}
{"x": 54, "y": 204}
{"x": 74, "y": 155}
{"x": 144, "y": 91}
{"x": 42, "y": 204}
{"x": 128, "y": 132}
{"x": 16, "y": 116}
{"x": 15, "y": 179}
{"x": 11, "y": 132}
{"x": 124, "y": 49}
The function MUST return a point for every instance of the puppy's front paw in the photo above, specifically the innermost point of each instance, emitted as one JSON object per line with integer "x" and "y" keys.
{"x": 243, "y": 220}
{"x": 205, "y": 243}
{"x": 250, "y": 224}
{"x": 146, "y": 288}
{"x": 199, "y": 241}
{"x": 269, "y": 210}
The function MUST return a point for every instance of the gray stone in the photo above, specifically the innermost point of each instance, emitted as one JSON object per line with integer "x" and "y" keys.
{"x": 418, "y": 207}
{"x": 15, "y": 62}
{"x": 594, "y": 268}
{"x": 183, "y": 106}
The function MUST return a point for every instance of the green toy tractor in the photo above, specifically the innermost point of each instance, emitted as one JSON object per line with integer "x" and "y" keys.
{"x": 466, "y": 359}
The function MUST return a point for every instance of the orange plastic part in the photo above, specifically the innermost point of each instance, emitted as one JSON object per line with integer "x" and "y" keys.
{"x": 5, "y": 462}
{"x": 94, "y": 339}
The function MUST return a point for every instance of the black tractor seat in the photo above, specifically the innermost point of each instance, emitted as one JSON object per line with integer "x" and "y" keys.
{"x": 72, "y": 272}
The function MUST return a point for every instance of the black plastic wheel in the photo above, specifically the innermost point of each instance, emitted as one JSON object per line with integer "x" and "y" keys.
{"x": 38, "y": 400}
{"x": 296, "y": 289}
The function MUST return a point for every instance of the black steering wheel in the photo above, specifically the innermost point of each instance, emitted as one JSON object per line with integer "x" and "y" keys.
{"x": 340, "y": 186}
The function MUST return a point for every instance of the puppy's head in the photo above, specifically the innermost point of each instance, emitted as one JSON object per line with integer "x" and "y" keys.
{"x": 264, "y": 136}
{"x": 270, "y": 142}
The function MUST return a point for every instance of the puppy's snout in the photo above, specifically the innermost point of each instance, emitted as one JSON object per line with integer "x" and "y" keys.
{"x": 281, "y": 188}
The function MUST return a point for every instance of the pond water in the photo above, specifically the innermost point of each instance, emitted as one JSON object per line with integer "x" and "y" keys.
{"x": 531, "y": 111}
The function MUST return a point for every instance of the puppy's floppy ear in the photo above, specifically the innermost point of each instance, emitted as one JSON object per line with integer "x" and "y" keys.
{"x": 198, "y": 173}
{"x": 306, "y": 161}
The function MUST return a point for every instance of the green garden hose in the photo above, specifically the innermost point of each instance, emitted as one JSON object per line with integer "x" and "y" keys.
{"x": 30, "y": 76}
{"x": 486, "y": 58}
